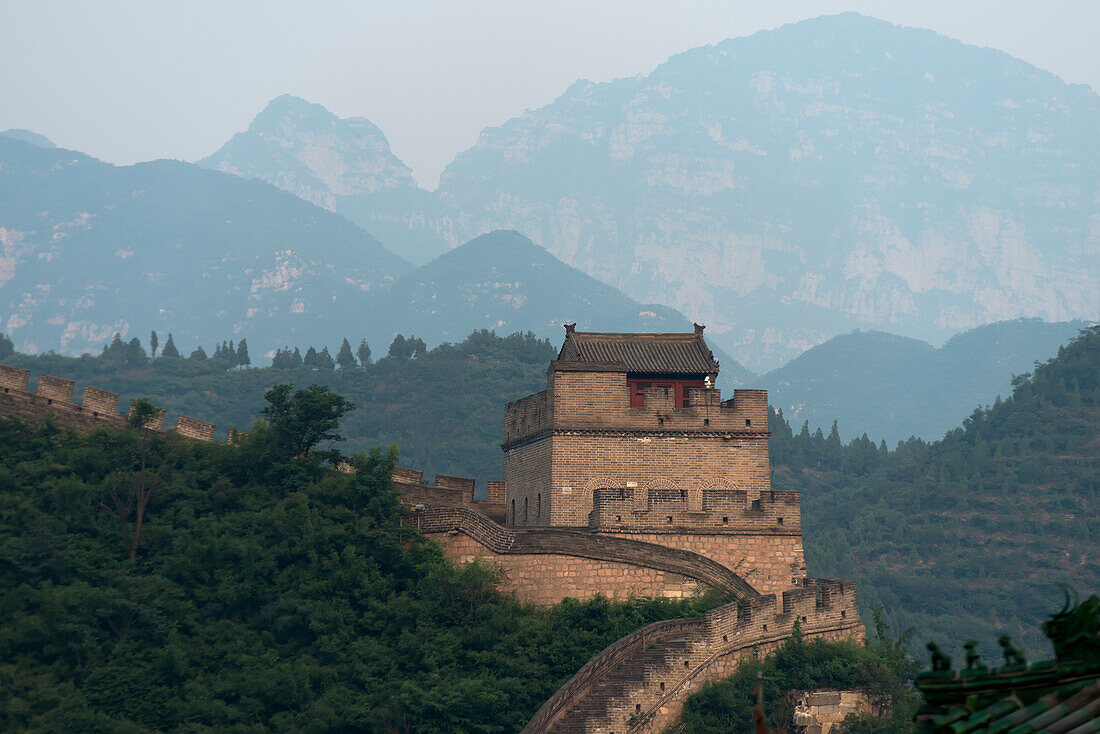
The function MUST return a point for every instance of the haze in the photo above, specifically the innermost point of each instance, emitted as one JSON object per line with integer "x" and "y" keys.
{"x": 132, "y": 81}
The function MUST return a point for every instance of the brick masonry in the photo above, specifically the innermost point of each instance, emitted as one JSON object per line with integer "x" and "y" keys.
{"x": 547, "y": 579}
{"x": 97, "y": 409}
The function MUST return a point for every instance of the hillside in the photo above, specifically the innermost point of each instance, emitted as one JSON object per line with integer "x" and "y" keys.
{"x": 343, "y": 165}
{"x": 504, "y": 282}
{"x": 444, "y": 409}
{"x": 263, "y": 593}
{"x": 966, "y": 537}
{"x": 893, "y": 388}
{"x": 88, "y": 249}
{"x": 799, "y": 183}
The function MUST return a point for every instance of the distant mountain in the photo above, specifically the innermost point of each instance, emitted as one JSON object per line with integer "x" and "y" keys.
{"x": 343, "y": 165}
{"x": 88, "y": 249}
{"x": 28, "y": 136}
{"x": 968, "y": 537}
{"x": 504, "y": 282}
{"x": 894, "y": 387}
{"x": 832, "y": 174}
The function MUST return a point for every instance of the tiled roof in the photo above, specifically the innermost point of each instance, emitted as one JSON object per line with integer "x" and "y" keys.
{"x": 1062, "y": 710}
{"x": 652, "y": 353}
{"x": 1060, "y": 696}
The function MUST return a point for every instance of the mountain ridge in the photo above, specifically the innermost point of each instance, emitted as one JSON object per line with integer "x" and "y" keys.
{"x": 892, "y": 387}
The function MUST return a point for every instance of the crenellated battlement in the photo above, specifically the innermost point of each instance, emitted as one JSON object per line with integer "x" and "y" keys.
{"x": 53, "y": 397}
{"x": 713, "y": 508}
{"x": 448, "y": 491}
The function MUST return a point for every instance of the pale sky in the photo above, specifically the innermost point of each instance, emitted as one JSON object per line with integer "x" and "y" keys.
{"x": 132, "y": 81}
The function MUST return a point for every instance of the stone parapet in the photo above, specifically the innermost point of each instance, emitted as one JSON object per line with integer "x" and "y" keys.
{"x": 448, "y": 492}
{"x": 718, "y": 509}
{"x": 55, "y": 388}
{"x": 53, "y": 398}
{"x": 195, "y": 429}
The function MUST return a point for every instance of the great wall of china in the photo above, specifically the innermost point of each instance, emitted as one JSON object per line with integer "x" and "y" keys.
{"x": 97, "y": 408}
{"x": 628, "y": 476}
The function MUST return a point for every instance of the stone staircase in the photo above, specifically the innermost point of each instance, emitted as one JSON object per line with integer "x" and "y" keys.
{"x": 624, "y": 698}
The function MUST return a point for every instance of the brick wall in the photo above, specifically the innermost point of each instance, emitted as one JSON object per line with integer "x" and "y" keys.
{"x": 581, "y": 434}
{"x": 98, "y": 408}
{"x": 547, "y": 579}
{"x": 448, "y": 492}
{"x": 770, "y": 563}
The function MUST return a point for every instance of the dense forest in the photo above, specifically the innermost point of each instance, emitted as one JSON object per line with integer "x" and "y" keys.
{"x": 149, "y": 583}
{"x": 883, "y": 669}
{"x": 443, "y": 408}
{"x": 965, "y": 537}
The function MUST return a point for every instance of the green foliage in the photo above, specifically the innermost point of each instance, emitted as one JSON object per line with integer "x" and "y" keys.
{"x": 171, "y": 351}
{"x": 301, "y": 419}
{"x": 7, "y": 348}
{"x": 883, "y": 669}
{"x": 344, "y": 357}
{"x": 967, "y": 537}
{"x": 402, "y": 348}
{"x": 363, "y": 352}
{"x": 262, "y": 597}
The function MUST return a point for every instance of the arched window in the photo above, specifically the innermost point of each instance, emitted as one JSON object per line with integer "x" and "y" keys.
{"x": 513, "y": 512}
{"x": 524, "y": 510}
{"x": 538, "y": 507}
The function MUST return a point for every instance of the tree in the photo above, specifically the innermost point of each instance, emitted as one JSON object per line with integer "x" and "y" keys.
{"x": 402, "y": 348}
{"x": 134, "y": 352}
{"x": 363, "y": 352}
{"x": 199, "y": 355}
{"x": 310, "y": 360}
{"x": 141, "y": 487}
{"x": 243, "y": 360}
{"x": 285, "y": 359}
{"x": 7, "y": 348}
{"x": 170, "y": 348}
{"x": 325, "y": 360}
{"x": 344, "y": 357}
{"x": 153, "y": 342}
{"x": 301, "y": 419}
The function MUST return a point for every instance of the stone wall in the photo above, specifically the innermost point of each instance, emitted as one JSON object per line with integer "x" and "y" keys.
{"x": 770, "y": 563}
{"x": 818, "y": 711}
{"x": 98, "y": 408}
{"x": 448, "y": 491}
{"x": 547, "y": 579}
{"x": 581, "y": 434}
{"x": 644, "y": 687}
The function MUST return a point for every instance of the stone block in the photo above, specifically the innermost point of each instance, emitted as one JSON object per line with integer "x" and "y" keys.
{"x": 194, "y": 429}
{"x": 55, "y": 388}
{"x": 14, "y": 378}
{"x": 99, "y": 401}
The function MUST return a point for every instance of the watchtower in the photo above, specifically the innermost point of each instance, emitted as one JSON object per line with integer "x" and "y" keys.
{"x": 637, "y": 413}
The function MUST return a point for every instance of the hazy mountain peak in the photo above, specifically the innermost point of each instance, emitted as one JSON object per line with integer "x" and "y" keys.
{"x": 303, "y": 148}
{"x": 837, "y": 173}
{"x": 28, "y": 136}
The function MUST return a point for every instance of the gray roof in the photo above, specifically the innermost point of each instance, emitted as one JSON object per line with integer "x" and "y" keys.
{"x": 685, "y": 354}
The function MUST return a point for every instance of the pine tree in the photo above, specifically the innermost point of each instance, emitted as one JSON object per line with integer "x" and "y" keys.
{"x": 344, "y": 357}
{"x": 199, "y": 355}
{"x": 363, "y": 352}
{"x": 170, "y": 348}
{"x": 325, "y": 360}
{"x": 243, "y": 360}
{"x": 7, "y": 348}
{"x": 298, "y": 361}
{"x": 310, "y": 360}
{"x": 153, "y": 342}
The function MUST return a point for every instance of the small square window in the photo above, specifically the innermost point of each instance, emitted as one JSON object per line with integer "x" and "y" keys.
{"x": 670, "y": 518}
{"x": 779, "y": 520}
{"x": 748, "y": 421}
{"x": 725, "y": 521}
